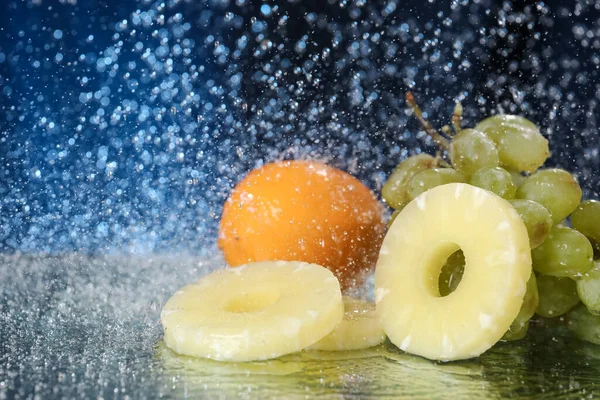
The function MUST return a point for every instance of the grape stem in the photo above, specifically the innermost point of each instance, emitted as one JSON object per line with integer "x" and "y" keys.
{"x": 446, "y": 130}
{"x": 429, "y": 129}
{"x": 457, "y": 117}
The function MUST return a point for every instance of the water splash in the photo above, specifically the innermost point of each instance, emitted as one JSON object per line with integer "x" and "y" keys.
{"x": 124, "y": 127}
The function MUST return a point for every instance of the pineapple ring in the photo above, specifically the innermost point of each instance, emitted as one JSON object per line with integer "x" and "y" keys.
{"x": 253, "y": 312}
{"x": 476, "y": 315}
{"x": 360, "y": 328}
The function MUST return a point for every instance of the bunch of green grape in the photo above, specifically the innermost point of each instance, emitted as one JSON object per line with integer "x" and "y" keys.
{"x": 503, "y": 154}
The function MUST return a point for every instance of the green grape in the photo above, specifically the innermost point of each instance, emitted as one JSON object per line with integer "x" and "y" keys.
{"x": 530, "y": 300}
{"x": 496, "y": 180}
{"x": 517, "y": 331}
{"x": 520, "y": 144}
{"x": 430, "y": 178}
{"x": 588, "y": 289}
{"x": 555, "y": 189}
{"x": 519, "y": 327}
{"x": 451, "y": 273}
{"x": 557, "y": 296}
{"x": 564, "y": 253}
{"x": 584, "y": 325}
{"x": 393, "y": 218}
{"x": 537, "y": 219}
{"x": 471, "y": 150}
{"x": 586, "y": 219}
{"x": 394, "y": 191}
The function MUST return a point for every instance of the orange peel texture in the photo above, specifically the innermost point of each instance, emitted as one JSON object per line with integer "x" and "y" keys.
{"x": 303, "y": 211}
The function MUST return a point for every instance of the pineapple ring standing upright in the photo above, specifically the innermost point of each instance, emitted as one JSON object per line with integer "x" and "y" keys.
{"x": 360, "y": 328}
{"x": 253, "y": 312}
{"x": 476, "y": 315}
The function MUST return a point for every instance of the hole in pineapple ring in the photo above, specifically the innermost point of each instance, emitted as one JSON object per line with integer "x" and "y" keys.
{"x": 254, "y": 301}
{"x": 435, "y": 278}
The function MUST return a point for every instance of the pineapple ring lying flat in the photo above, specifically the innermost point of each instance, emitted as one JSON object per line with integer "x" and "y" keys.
{"x": 253, "y": 312}
{"x": 360, "y": 328}
{"x": 474, "y": 317}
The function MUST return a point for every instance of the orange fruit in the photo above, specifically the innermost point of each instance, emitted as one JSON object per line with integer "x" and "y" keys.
{"x": 303, "y": 211}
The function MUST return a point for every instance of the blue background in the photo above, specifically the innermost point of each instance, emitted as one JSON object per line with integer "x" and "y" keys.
{"x": 123, "y": 125}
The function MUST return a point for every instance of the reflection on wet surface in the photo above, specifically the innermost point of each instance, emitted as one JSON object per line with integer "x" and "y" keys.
{"x": 77, "y": 326}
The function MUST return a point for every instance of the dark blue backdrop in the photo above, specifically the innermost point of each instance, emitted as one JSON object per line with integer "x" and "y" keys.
{"x": 124, "y": 124}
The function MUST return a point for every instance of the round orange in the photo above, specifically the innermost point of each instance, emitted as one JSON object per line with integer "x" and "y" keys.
{"x": 303, "y": 211}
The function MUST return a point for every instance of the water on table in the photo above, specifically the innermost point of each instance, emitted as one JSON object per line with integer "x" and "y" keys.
{"x": 76, "y": 326}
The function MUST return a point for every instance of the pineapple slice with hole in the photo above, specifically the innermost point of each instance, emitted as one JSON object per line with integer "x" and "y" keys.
{"x": 360, "y": 328}
{"x": 254, "y": 312}
{"x": 476, "y": 315}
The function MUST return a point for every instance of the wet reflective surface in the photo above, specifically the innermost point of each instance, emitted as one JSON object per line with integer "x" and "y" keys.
{"x": 74, "y": 326}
